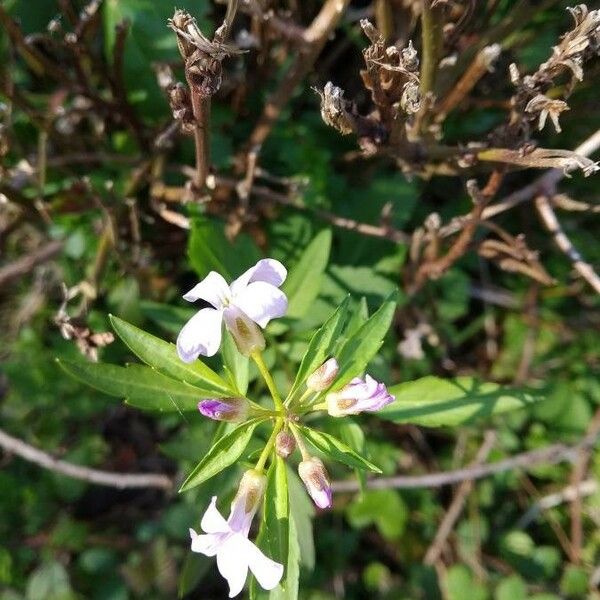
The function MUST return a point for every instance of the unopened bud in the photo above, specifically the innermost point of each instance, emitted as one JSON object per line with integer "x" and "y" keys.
{"x": 285, "y": 444}
{"x": 323, "y": 377}
{"x": 247, "y": 335}
{"x": 358, "y": 396}
{"x": 233, "y": 410}
{"x": 247, "y": 500}
{"x": 313, "y": 474}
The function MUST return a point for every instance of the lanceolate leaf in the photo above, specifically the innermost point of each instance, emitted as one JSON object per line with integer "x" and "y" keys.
{"x": 224, "y": 453}
{"x": 337, "y": 450}
{"x": 435, "y": 402}
{"x": 276, "y": 512}
{"x": 141, "y": 386}
{"x": 362, "y": 346}
{"x": 163, "y": 357}
{"x": 321, "y": 344}
{"x": 304, "y": 279}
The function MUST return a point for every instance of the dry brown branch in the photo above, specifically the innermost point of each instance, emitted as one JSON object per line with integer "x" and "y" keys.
{"x": 577, "y": 476}
{"x": 315, "y": 36}
{"x": 454, "y": 510}
{"x": 549, "y": 219}
{"x": 27, "y": 263}
{"x": 108, "y": 478}
{"x": 552, "y": 454}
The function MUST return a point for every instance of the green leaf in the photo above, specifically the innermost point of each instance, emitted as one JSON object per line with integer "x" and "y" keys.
{"x": 236, "y": 364}
{"x": 302, "y": 512}
{"x": 141, "y": 386}
{"x": 383, "y": 508}
{"x": 209, "y": 249}
{"x": 168, "y": 317}
{"x": 321, "y": 344}
{"x": 163, "y": 357}
{"x": 353, "y": 435}
{"x": 303, "y": 282}
{"x": 337, "y": 450}
{"x": 224, "y": 453}
{"x": 362, "y": 346}
{"x": 435, "y": 402}
{"x": 276, "y": 512}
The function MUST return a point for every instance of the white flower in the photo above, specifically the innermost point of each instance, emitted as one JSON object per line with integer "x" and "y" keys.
{"x": 253, "y": 297}
{"x": 228, "y": 540}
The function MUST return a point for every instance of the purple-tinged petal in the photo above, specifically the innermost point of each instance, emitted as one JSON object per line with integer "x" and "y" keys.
{"x": 213, "y": 288}
{"x": 213, "y": 521}
{"x": 232, "y": 562}
{"x": 233, "y": 410}
{"x": 268, "y": 573}
{"x": 323, "y": 377}
{"x": 316, "y": 480}
{"x": 268, "y": 270}
{"x": 200, "y": 335}
{"x": 208, "y": 544}
{"x": 262, "y": 302}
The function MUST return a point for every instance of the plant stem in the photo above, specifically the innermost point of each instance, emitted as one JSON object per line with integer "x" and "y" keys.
{"x": 431, "y": 40}
{"x": 291, "y": 401}
{"x": 264, "y": 371}
{"x": 262, "y": 460}
{"x": 300, "y": 442}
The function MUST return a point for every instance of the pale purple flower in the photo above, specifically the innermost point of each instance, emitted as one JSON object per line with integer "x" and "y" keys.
{"x": 228, "y": 539}
{"x": 323, "y": 377}
{"x": 358, "y": 396}
{"x": 316, "y": 480}
{"x": 252, "y": 298}
{"x": 233, "y": 410}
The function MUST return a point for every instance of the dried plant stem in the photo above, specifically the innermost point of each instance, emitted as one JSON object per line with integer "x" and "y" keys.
{"x": 548, "y": 180}
{"x": 453, "y": 513}
{"x": 107, "y": 478}
{"x": 431, "y": 40}
{"x": 549, "y": 219}
{"x": 552, "y": 454}
{"x": 26, "y": 263}
{"x": 201, "y": 109}
{"x": 315, "y": 36}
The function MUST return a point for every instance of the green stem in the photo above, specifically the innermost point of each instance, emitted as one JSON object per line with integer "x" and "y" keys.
{"x": 264, "y": 371}
{"x": 431, "y": 41}
{"x": 262, "y": 459}
{"x": 291, "y": 401}
{"x": 300, "y": 442}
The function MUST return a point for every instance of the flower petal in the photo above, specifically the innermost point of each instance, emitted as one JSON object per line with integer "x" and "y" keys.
{"x": 200, "y": 335}
{"x": 268, "y": 573}
{"x": 213, "y": 521}
{"x": 262, "y": 302}
{"x": 232, "y": 562}
{"x": 213, "y": 288}
{"x": 268, "y": 270}
{"x": 206, "y": 544}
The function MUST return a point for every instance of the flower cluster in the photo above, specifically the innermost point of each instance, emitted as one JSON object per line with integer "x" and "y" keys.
{"x": 244, "y": 307}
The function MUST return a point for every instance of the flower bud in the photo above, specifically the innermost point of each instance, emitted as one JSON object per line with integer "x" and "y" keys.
{"x": 358, "y": 396}
{"x": 285, "y": 444}
{"x": 247, "y": 500}
{"x": 247, "y": 335}
{"x": 233, "y": 410}
{"x": 313, "y": 474}
{"x": 323, "y": 377}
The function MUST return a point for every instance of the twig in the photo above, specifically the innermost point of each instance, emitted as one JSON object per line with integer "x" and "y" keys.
{"x": 107, "y": 478}
{"x": 452, "y": 514}
{"x": 579, "y": 470}
{"x": 315, "y": 36}
{"x": 548, "y": 217}
{"x": 387, "y": 233}
{"x": 26, "y": 263}
{"x": 548, "y": 180}
{"x": 552, "y": 454}
{"x": 568, "y": 494}
{"x": 431, "y": 39}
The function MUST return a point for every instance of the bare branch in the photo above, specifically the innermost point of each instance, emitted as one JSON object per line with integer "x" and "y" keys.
{"x": 107, "y": 478}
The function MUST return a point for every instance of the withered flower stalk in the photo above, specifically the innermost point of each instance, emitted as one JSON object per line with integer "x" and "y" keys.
{"x": 203, "y": 72}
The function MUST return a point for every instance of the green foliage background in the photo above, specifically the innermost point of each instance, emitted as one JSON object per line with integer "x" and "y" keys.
{"x": 61, "y": 539}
